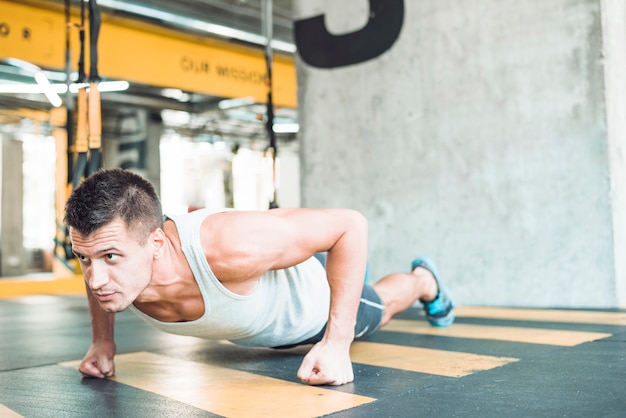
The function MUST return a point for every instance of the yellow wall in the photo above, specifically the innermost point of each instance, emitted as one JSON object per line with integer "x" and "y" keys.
{"x": 147, "y": 54}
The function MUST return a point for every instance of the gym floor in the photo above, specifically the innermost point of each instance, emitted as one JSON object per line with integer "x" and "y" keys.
{"x": 493, "y": 362}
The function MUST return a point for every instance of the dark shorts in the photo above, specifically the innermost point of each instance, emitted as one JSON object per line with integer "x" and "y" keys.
{"x": 368, "y": 318}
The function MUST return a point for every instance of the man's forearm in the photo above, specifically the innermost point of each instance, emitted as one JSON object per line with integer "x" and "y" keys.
{"x": 346, "y": 270}
{"x": 344, "y": 304}
{"x": 102, "y": 323}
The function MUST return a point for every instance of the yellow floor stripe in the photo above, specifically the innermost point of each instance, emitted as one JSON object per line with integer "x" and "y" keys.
{"x": 8, "y": 413}
{"x": 424, "y": 360}
{"x": 544, "y": 315}
{"x": 227, "y": 392}
{"x": 486, "y": 332}
{"x": 73, "y": 285}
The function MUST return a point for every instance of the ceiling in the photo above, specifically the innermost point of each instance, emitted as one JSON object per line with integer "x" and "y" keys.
{"x": 204, "y": 117}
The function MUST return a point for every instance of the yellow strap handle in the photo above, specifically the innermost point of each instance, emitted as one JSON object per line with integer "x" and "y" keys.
{"x": 81, "y": 127}
{"x": 95, "y": 117}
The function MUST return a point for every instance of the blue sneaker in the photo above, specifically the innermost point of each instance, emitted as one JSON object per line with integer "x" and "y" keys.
{"x": 440, "y": 311}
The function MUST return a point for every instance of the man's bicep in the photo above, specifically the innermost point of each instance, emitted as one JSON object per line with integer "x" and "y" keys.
{"x": 310, "y": 231}
{"x": 244, "y": 245}
{"x": 290, "y": 236}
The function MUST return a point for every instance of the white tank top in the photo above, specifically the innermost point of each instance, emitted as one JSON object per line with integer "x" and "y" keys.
{"x": 287, "y": 307}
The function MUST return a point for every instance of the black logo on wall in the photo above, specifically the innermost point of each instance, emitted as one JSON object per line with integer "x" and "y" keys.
{"x": 321, "y": 49}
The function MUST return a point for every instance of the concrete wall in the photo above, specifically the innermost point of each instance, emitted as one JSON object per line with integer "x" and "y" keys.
{"x": 483, "y": 138}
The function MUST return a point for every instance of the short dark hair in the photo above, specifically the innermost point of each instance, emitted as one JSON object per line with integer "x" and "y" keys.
{"x": 111, "y": 193}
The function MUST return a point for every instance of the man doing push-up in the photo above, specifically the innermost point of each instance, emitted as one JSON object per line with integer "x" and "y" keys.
{"x": 246, "y": 276}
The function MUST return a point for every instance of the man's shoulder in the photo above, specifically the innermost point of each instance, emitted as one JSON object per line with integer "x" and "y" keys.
{"x": 195, "y": 213}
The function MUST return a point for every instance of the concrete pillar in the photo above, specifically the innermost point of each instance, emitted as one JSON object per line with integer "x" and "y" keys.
{"x": 131, "y": 139}
{"x": 12, "y": 255}
{"x": 614, "y": 36}
{"x": 153, "y": 148}
{"x": 487, "y": 134}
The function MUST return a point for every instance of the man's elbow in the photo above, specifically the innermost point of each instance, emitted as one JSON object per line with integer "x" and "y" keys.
{"x": 358, "y": 221}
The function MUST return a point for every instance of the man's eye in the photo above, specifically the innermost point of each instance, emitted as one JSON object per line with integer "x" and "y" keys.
{"x": 112, "y": 257}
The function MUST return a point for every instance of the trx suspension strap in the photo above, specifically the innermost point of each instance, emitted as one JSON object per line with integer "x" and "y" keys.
{"x": 81, "y": 144}
{"x": 269, "y": 119}
{"x": 69, "y": 100}
{"x": 63, "y": 245}
{"x": 95, "y": 115}
{"x": 89, "y": 124}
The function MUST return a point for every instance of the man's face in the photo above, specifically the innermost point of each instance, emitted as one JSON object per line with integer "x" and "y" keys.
{"x": 116, "y": 267}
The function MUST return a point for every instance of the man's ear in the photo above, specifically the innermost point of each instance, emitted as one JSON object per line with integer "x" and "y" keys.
{"x": 158, "y": 241}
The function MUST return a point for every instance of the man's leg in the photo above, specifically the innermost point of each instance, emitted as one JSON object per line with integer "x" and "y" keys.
{"x": 399, "y": 291}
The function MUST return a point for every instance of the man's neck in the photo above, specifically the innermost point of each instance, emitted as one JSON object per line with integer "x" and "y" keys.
{"x": 173, "y": 294}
